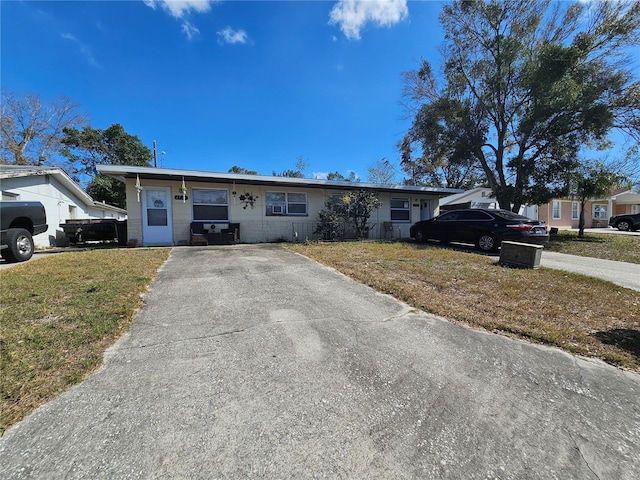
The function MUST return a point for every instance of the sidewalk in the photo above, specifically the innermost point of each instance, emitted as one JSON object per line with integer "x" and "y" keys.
{"x": 624, "y": 274}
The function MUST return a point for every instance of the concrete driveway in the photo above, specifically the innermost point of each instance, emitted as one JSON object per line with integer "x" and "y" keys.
{"x": 255, "y": 362}
{"x": 621, "y": 273}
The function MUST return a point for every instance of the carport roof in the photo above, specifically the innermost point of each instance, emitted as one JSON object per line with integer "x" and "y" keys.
{"x": 122, "y": 172}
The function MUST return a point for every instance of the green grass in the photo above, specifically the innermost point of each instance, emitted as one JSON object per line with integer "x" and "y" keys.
{"x": 579, "y": 314}
{"x": 59, "y": 314}
{"x": 608, "y": 246}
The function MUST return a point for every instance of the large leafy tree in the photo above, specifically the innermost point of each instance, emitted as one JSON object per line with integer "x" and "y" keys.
{"x": 300, "y": 166}
{"x": 592, "y": 180}
{"x": 338, "y": 177}
{"x": 31, "y": 130}
{"x": 527, "y": 85}
{"x": 89, "y": 147}
{"x": 242, "y": 170}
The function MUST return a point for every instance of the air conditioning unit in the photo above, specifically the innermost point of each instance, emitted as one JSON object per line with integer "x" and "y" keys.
{"x": 277, "y": 210}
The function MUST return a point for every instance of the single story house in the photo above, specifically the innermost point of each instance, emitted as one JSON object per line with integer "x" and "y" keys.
{"x": 481, "y": 197}
{"x": 62, "y": 199}
{"x": 163, "y": 203}
{"x": 564, "y": 213}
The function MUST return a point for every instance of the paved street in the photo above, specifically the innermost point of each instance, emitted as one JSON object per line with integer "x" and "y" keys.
{"x": 253, "y": 362}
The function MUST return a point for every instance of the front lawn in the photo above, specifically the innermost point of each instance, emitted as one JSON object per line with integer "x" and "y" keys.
{"x": 608, "y": 246}
{"x": 579, "y": 314}
{"x": 59, "y": 314}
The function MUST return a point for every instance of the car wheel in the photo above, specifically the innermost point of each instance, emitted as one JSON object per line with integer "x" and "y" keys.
{"x": 20, "y": 245}
{"x": 487, "y": 242}
{"x": 420, "y": 237}
{"x": 624, "y": 225}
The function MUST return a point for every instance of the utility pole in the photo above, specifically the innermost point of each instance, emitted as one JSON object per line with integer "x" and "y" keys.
{"x": 155, "y": 155}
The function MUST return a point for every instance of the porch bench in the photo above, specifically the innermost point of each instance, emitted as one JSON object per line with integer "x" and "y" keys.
{"x": 203, "y": 236}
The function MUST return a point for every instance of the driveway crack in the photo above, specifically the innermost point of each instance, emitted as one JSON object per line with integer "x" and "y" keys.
{"x": 575, "y": 444}
{"x": 191, "y": 339}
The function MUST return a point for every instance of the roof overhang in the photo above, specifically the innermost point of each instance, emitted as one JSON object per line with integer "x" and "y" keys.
{"x": 629, "y": 197}
{"x": 17, "y": 171}
{"x": 123, "y": 172}
{"x": 466, "y": 194}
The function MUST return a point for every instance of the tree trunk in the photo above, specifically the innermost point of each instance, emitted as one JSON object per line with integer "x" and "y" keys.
{"x": 581, "y": 221}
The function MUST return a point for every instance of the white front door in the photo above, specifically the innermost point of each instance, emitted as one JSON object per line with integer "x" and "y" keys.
{"x": 156, "y": 216}
{"x": 425, "y": 210}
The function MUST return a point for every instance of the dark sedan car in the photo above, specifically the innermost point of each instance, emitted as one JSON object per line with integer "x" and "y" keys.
{"x": 627, "y": 222}
{"x": 484, "y": 228}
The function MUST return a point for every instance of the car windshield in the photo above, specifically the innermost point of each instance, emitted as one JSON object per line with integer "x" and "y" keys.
{"x": 510, "y": 215}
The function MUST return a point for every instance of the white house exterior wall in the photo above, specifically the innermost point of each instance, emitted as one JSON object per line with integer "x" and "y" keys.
{"x": 57, "y": 200}
{"x": 255, "y": 225}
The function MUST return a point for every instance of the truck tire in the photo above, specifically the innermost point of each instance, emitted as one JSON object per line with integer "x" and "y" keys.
{"x": 20, "y": 245}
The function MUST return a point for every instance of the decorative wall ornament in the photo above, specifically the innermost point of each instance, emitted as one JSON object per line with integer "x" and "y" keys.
{"x": 138, "y": 187}
{"x": 249, "y": 199}
{"x": 183, "y": 189}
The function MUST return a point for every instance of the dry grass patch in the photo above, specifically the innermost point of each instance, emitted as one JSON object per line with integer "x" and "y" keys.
{"x": 59, "y": 314}
{"x": 608, "y": 246}
{"x": 579, "y": 314}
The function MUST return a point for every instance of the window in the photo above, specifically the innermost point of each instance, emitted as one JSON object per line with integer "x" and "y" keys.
{"x": 338, "y": 198}
{"x": 283, "y": 203}
{"x": 157, "y": 205}
{"x": 449, "y": 217}
{"x": 600, "y": 212}
{"x": 575, "y": 210}
{"x": 210, "y": 205}
{"x": 509, "y": 215}
{"x": 474, "y": 215}
{"x": 556, "y": 210}
{"x": 9, "y": 196}
{"x": 400, "y": 210}
{"x": 635, "y": 209}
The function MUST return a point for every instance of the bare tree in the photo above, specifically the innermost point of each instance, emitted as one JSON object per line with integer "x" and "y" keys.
{"x": 382, "y": 172}
{"x": 31, "y": 131}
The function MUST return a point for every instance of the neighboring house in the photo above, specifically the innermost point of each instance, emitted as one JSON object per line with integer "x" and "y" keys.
{"x": 564, "y": 213}
{"x": 481, "y": 198}
{"x": 624, "y": 201}
{"x": 283, "y": 209}
{"x": 62, "y": 199}
{"x": 474, "y": 198}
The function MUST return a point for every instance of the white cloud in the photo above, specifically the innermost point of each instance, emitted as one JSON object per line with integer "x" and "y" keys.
{"x": 320, "y": 175}
{"x": 84, "y": 49}
{"x": 229, "y": 35}
{"x": 352, "y": 15}
{"x": 189, "y": 30}
{"x": 178, "y": 8}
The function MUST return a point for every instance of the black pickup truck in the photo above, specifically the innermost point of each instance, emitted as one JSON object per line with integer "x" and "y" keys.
{"x": 626, "y": 222}
{"x": 19, "y": 221}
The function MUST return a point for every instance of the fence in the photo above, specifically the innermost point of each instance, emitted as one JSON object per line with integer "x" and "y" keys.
{"x": 337, "y": 231}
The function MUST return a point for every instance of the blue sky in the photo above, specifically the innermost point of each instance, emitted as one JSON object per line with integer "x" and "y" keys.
{"x": 217, "y": 84}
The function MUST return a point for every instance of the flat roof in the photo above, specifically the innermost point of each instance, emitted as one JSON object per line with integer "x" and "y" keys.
{"x": 123, "y": 172}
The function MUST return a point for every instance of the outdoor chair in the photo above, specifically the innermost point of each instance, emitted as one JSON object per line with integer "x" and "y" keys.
{"x": 232, "y": 232}
{"x": 198, "y": 234}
